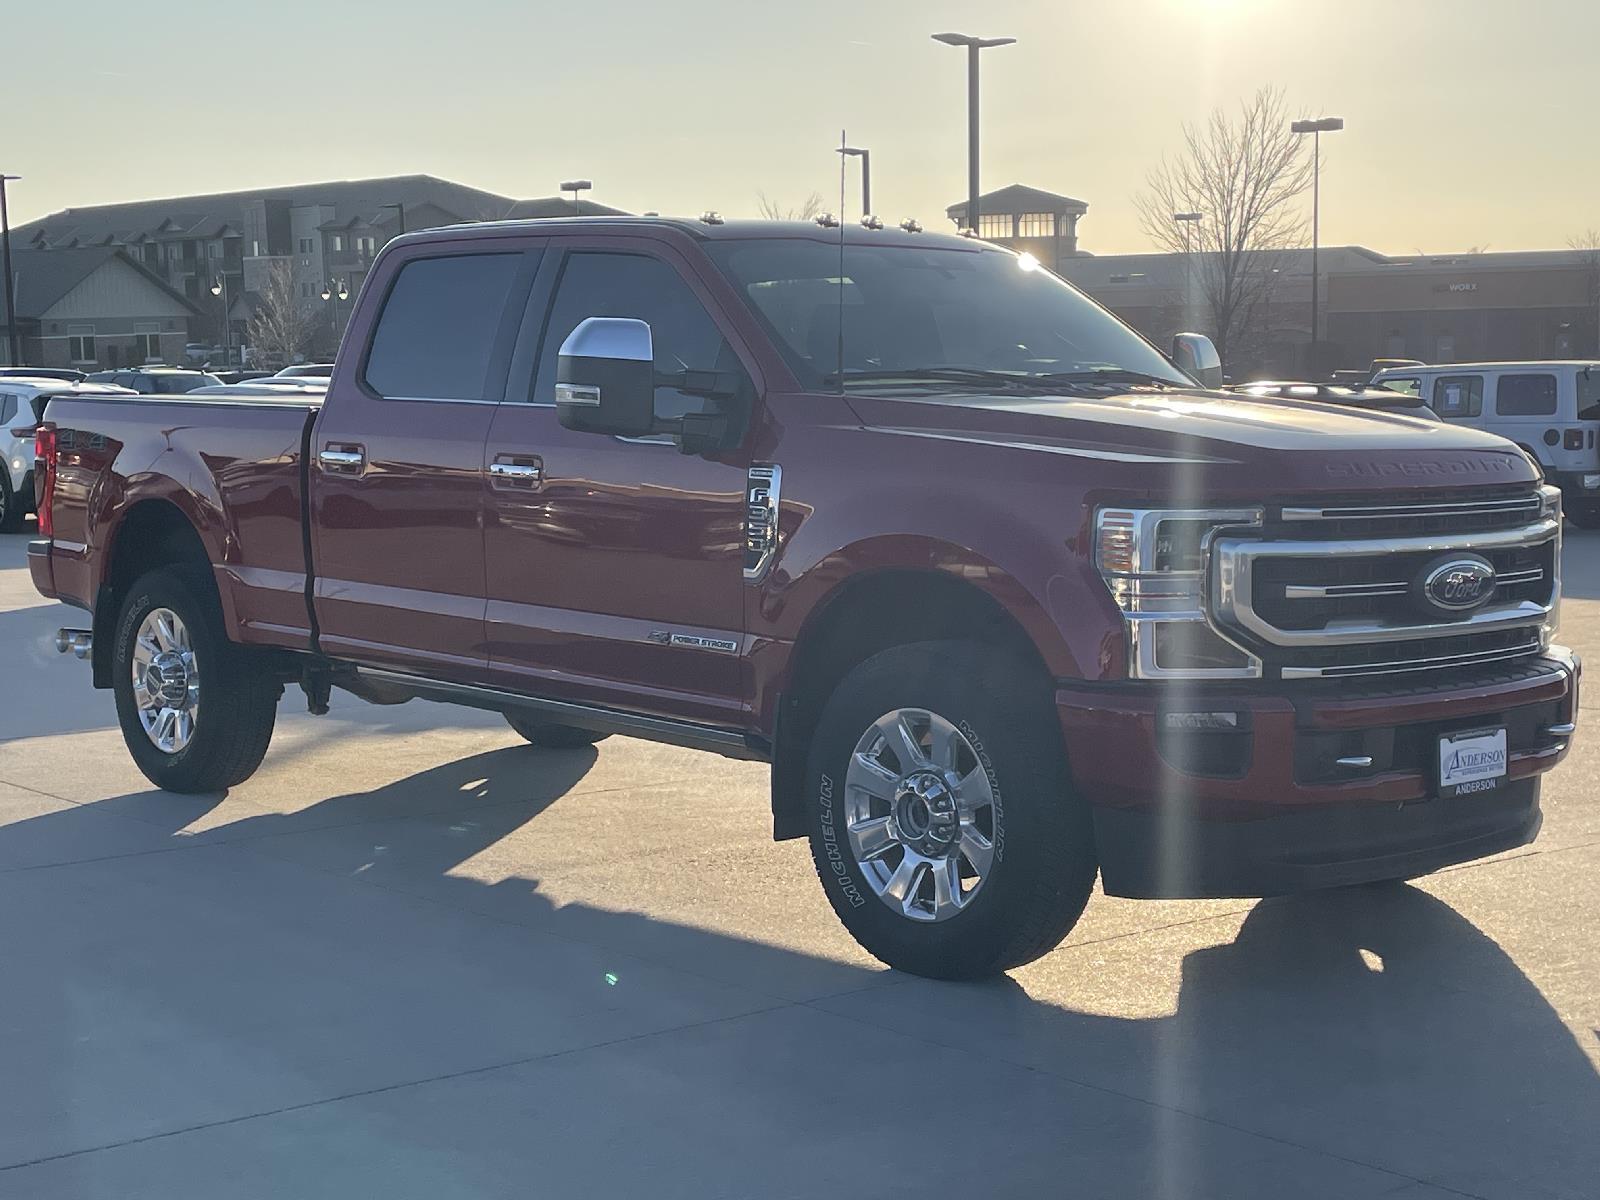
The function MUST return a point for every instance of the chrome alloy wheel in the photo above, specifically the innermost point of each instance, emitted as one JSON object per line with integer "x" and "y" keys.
{"x": 920, "y": 814}
{"x": 166, "y": 680}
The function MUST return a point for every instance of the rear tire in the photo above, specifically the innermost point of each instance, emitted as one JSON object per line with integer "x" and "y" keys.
{"x": 552, "y": 737}
{"x": 12, "y": 507}
{"x": 201, "y": 716}
{"x": 988, "y": 749}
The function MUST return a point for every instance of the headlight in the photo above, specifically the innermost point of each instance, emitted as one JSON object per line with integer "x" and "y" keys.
{"x": 1153, "y": 561}
{"x": 1551, "y": 507}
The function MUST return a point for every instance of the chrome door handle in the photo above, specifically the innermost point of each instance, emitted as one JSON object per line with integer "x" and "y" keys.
{"x": 344, "y": 462}
{"x": 517, "y": 474}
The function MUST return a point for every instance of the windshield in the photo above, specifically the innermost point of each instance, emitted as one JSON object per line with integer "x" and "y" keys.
{"x": 920, "y": 309}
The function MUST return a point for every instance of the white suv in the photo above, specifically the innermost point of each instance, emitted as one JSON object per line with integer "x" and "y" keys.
{"x": 22, "y": 402}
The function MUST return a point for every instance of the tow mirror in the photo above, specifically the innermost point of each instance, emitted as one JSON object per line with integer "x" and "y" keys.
{"x": 1195, "y": 355}
{"x": 605, "y": 378}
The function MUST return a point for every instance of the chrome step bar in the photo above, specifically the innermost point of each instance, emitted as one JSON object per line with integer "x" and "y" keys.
{"x": 731, "y": 743}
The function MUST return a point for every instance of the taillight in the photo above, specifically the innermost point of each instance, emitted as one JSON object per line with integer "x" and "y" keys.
{"x": 1573, "y": 440}
{"x": 44, "y": 472}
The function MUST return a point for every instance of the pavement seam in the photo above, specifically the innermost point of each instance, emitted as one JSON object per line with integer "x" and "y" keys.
{"x": 192, "y": 842}
{"x": 443, "y": 1077}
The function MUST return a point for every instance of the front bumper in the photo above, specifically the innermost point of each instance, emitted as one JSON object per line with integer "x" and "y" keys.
{"x": 1266, "y": 808}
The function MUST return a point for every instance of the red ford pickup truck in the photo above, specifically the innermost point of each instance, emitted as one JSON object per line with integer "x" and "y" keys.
{"x": 1003, "y": 593}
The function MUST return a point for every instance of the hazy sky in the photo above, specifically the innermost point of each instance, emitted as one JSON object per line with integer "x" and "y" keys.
{"x": 1470, "y": 122}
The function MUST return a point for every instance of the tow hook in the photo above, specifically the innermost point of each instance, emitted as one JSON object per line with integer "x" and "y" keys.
{"x": 79, "y": 641}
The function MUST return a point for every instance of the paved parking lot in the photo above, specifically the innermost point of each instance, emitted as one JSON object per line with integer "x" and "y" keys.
{"x": 415, "y": 958}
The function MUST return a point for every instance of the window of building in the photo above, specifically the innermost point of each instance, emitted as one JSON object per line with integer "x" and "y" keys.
{"x": 80, "y": 343}
{"x": 305, "y": 246}
{"x": 436, "y": 336}
{"x": 214, "y": 250}
{"x": 994, "y": 225}
{"x": 1036, "y": 225}
{"x": 684, "y": 336}
{"x": 1525, "y": 396}
{"x": 1445, "y": 348}
{"x": 255, "y": 248}
{"x": 147, "y": 342}
{"x": 338, "y": 243}
{"x": 367, "y": 246}
{"x": 305, "y": 291}
{"x": 1458, "y": 396}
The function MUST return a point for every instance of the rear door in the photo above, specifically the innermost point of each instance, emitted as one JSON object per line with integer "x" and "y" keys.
{"x": 397, "y": 456}
{"x": 614, "y": 566}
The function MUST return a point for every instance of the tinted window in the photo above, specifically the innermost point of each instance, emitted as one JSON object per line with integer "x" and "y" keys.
{"x": 682, "y": 333}
{"x": 8, "y": 409}
{"x": 914, "y": 307}
{"x": 436, "y": 335}
{"x": 1589, "y": 394}
{"x": 1457, "y": 396}
{"x": 174, "y": 385}
{"x": 1525, "y": 396}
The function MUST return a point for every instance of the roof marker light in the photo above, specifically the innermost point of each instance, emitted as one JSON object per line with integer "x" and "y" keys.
{"x": 711, "y": 218}
{"x": 911, "y": 225}
{"x": 871, "y": 222}
{"x": 827, "y": 220}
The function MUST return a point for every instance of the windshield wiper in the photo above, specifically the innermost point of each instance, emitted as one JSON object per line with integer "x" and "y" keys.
{"x": 978, "y": 376}
{"x": 1107, "y": 375}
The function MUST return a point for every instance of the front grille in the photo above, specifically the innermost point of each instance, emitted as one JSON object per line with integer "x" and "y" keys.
{"x": 1334, "y": 588}
{"x": 1467, "y": 510}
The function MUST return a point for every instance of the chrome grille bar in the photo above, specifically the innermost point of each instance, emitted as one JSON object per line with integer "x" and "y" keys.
{"x": 1394, "y": 587}
{"x": 1511, "y": 507}
{"x": 1396, "y": 666}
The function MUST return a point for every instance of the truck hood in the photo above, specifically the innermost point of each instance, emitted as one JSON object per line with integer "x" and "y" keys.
{"x": 1313, "y": 445}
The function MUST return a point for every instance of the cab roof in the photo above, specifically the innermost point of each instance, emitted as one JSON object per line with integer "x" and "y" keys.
{"x": 854, "y": 233}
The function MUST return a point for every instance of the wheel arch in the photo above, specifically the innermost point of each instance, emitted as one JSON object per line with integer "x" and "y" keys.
{"x": 866, "y": 613}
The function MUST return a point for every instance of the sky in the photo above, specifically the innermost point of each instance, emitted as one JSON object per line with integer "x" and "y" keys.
{"x": 1469, "y": 123}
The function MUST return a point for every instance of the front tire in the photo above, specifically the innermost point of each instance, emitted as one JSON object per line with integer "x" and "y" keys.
{"x": 943, "y": 821}
{"x": 552, "y": 737}
{"x": 196, "y": 710}
{"x": 1585, "y": 514}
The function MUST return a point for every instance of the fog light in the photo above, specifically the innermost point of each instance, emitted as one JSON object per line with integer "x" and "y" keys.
{"x": 1200, "y": 720}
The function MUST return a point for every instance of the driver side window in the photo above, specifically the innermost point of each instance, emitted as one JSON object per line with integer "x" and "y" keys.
{"x": 683, "y": 335}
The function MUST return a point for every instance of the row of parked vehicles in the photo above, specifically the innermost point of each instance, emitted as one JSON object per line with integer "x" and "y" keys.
{"x": 26, "y": 391}
{"x": 1008, "y": 598}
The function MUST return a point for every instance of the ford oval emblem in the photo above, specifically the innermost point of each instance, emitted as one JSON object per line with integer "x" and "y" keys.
{"x": 1457, "y": 584}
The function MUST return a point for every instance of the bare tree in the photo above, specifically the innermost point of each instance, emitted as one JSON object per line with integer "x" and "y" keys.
{"x": 1587, "y": 247}
{"x": 1243, "y": 171}
{"x": 808, "y": 208}
{"x": 280, "y": 327}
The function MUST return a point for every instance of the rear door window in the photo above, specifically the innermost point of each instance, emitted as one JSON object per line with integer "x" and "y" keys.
{"x": 1456, "y": 397}
{"x": 439, "y": 335}
{"x": 1525, "y": 396}
{"x": 1589, "y": 394}
{"x": 1408, "y": 387}
{"x": 8, "y": 409}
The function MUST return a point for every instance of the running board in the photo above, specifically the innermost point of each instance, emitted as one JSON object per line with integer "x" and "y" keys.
{"x": 731, "y": 743}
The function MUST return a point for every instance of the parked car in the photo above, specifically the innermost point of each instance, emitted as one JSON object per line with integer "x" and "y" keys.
{"x": 156, "y": 381}
{"x": 66, "y": 373}
{"x": 265, "y": 387}
{"x": 1002, "y": 594}
{"x": 237, "y": 376}
{"x": 1551, "y": 409}
{"x": 301, "y": 370}
{"x": 22, "y": 406}
{"x": 1375, "y": 398}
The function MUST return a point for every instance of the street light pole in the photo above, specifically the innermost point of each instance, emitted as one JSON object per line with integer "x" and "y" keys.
{"x": 1316, "y": 129}
{"x": 866, "y": 175}
{"x": 973, "y": 45}
{"x": 1188, "y": 220}
{"x": 575, "y": 186}
{"x": 13, "y": 354}
{"x": 220, "y": 288}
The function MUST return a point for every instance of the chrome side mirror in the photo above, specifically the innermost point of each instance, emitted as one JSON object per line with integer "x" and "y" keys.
{"x": 1194, "y": 355}
{"x": 605, "y": 378}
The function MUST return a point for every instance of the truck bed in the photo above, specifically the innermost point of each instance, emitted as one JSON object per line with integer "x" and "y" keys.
{"x": 235, "y": 468}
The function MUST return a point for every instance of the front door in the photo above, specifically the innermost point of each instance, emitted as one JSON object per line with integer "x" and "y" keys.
{"x": 614, "y": 566}
{"x": 397, "y": 459}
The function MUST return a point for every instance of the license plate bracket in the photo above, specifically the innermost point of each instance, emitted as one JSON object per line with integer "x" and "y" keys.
{"x": 1472, "y": 761}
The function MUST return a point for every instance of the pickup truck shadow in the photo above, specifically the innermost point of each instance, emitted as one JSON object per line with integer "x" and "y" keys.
{"x": 1375, "y": 1025}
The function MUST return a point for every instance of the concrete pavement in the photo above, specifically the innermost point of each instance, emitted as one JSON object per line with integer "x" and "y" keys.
{"x": 415, "y": 958}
